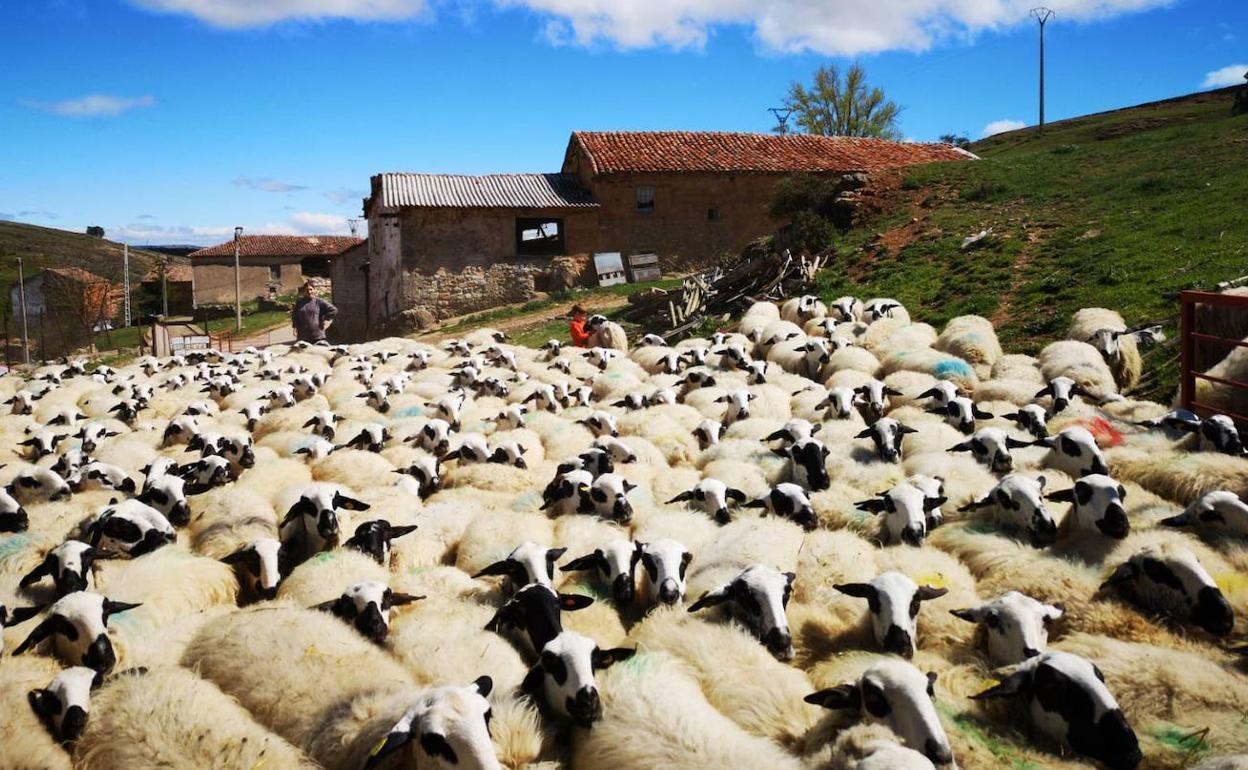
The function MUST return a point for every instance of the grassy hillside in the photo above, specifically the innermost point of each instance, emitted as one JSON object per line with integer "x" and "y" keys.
{"x": 1119, "y": 210}
{"x": 47, "y": 247}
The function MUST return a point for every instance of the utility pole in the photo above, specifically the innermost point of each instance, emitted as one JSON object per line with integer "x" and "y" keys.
{"x": 1041, "y": 15}
{"x": 21, "y": 293}
{"x": 781, "y": 115}
{"x": 125, "y": 282}
{"x": 164, "y": 286}
{"x": 238, "y": 283}
{"x": 354, "y": 224}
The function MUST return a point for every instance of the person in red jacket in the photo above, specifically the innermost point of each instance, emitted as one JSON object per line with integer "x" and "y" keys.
{"x": 577, "y": 327}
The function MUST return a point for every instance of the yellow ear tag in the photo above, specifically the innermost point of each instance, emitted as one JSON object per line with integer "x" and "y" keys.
{"x": 380, "y": 745}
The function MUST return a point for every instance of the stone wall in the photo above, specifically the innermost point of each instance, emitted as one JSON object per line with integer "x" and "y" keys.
{"x": 473, "y": 289}
{"x": 350, "y": 289}
{"x": 215, "y": 283}
{"x": 435, "y": 238}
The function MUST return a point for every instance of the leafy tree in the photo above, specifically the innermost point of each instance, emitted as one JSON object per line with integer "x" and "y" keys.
{"x": 843, "y": 105}
{"x": 957, "y": 140}
{"x": 809, "y": 203}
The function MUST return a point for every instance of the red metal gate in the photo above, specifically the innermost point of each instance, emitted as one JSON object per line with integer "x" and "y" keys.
{"x": 1189, "y": 336}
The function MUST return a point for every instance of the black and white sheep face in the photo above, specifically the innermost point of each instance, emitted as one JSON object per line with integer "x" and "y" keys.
{"x": 464, "y": 375}
{"x": 22, "y": 402}
{"x": 664, "y": 563}
{"x": 873, "y": 399}
{"x": 13, "y": 517}
{"x": 600, "y": 357}
{"x": 324, "y": 424}
{"x": 221, "y": 387}
{"x": 66, "y": 418}
{"x": 428, "y": 474}
{"x": 941, "y": 393}
{"x": 631, "y": 401}
{"x": 1068, "y": 701}
{"x": 419, "y": 360}
{"x": 616, "y": 449}
{"x": 1031, "y": 418}
{"x": 315, "y": 448}
{"x": 758, "y": 597}
{"x": 712, "y": 496}
{"x": 129, "y": 527}
{"x": 315, "y": 515}
{"x": 737, "y": 405}
{"x": 1062, "y": 390}
{"x": 905, "y": 508}
{"x": 1017, "y": 626}
{"x": 92, "y": 435}
{"x": 1173, "y": 582}
{"x": 260, "y": 561}
{"x": 568, "y": 492}
{"x": 511, "y": 417}
{"x": 808, "y": 463}
{"x": 1074, "y": 452}
{"x": 41, "y": 443}
{"x": 961, "y": 413}
{"x": 893, "y": 601}
{"x": 457, "y": 348}
{"x": 876, "y": 309}
{"x": 845, "y": 309}
{"x": 98, "y": 475}
{"x": 695, "y": 356}
{"x": 238, "y": 451}
{"x": 492, "y": 387}
{"x": 840, "y": 403}
{"x": 551, "y": 348}
{"x": 371, "y": 438}
{"x": 527, "y": 563}
{"x": 200, "y": 409}
{"x": 887, "y": 434}
{"x": 608, "y": 497}
{"x": 78, "y": 626}
{"x": 991, "y": 447}
{"x": 281, "y": 396}
{"x": 601, "y": 423}
{"x": 69, "y": 566}
{"x": 1017, "y": 503}
{"x": 661, "y": 397}
{"x": 697, "y": 378}
{"x": 543, "y": 398}
{"x": 472, "y": 449}
{"x": 366, "y": 606}
{"x": 70, "y": 463}
{"x": 1218, "y": 511}
{"x": 377, "y": 398}
{"x": 755, "y": 372}
{"x": 614, "y": 564}
{"x": 815, "y": 355}
{"x": 434, "y": 437}
{"x": 451, "y": 727}
{"x": 788, "y": 501}
{"x": 1097, "y": 501}
{"x": 126, "y": 410}
{"x": 564, "y": 676}
{"x": 708, "y": 433}
{"x": 1219, "y": 434}
{"x": 793, "y": 431}
{"x": 206, "y": 473}
{"x": 374, "y": 538}
{"x": 535, "y": 610}
{"x": 898, "y": 695}
{"x": 304, "y": 387}
{"x": 63, "y": 705}
{"x": 33, "y": 484}
{"x": 731, "y": 356}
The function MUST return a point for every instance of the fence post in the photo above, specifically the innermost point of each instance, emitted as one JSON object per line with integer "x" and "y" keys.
{"x": 1187, "y": 347}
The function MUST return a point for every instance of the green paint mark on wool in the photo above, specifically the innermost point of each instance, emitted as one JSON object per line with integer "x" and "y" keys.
{"x": 999, "y": 748}
{"x": 1181, "y": 739}
{"x": 13, "y": 545}
{"x": 641, "y": 664}
{"x": 324, "y": 556}
{"x": 981, "y": 527}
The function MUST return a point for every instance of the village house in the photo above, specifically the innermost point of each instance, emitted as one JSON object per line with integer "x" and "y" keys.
{"x": 178, "y": 285}
{"x": 450, "y": 244}
{"x": 269, "y": 265}
{"x": 64, "y": 307}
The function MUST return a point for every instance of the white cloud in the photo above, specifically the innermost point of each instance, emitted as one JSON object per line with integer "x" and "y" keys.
{"x": 1227, "y": 76}
{"x": 236, "y": 14}
{"x": 267, "y": 185}
{"x": 344, "y": 195}
{"x": 834, "y": 27}
{"x": 301, "y": 223}
{"x": 1001, "y": 126}
{"x": 92, "y": 106}
{"x": 309, "y": 223}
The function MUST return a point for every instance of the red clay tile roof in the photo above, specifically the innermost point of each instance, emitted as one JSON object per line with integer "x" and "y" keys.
{"x": 76, "y": 274}
{"x": 282, "y": 246}
{"x": 612, "y": 152}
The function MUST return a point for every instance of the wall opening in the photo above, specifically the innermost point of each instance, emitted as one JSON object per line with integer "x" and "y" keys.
{"x": 539, "y": 237}
{"x": 645, "y": 198}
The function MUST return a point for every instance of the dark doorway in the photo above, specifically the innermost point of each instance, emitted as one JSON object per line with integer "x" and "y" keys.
{"x": 539, "y": 237}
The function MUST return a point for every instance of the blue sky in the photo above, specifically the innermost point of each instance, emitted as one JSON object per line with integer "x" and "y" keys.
{"x": 171, "y": 121}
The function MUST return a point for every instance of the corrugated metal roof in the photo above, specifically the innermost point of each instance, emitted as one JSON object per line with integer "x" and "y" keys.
{"x": 548, "y": 191}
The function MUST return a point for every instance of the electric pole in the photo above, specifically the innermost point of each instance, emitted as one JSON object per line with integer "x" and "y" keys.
{"x": 354, "y": 225}
{"x": 782, "y": 118}
{"x": 164, "y": 286}
{"x": 125, "y": 283}
{"x": 238, "y": 284}
{"x": 21, "y": 293}
{"x": 1041, "y": 15}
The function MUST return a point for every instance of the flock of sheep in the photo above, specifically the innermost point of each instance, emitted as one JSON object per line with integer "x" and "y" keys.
{"x": 831, "y": 538}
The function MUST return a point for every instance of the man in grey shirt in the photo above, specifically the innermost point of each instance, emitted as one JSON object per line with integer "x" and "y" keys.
{"x": 312, "y": 315}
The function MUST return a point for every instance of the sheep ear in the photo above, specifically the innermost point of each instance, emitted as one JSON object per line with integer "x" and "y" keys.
{"x": 927, "y": 593}
{"x": 1047, "y": 391}
{"x": 857, "y": 590}
{"x": 681, "y": 498}
{"x": 35, "y": 575}
{"x": 1062, "y": 496}
{"x": 874, "y": 505}
{"x": 865, "y": 434}
{"x": 836, "y": 698}
{"x": 711, "y": 598}
{"x": 573, "y": 602}
{"x": 1054, "y": 612}
{"x": 349, "y": 503}
{"x": 238, "y": 556}
{"x": 400, "y": 599}
{"x": 296, "y": 510}
{"x": 1013, "y": 443}
{"x": 980, "y": 414}
{"x": 504, "y": 568}
{"x": 400, "y": 531}
{"x": 42, "y": 631}
{"x": 1008, "y": 687}
{"x": 970, "y": 614}
{"x": 965, "y": 446}
{"x": 601, "y": 659}
{"x": 19, "y": 615}
{"x": 586, "y": 562}
{"x": 735, "y": 495}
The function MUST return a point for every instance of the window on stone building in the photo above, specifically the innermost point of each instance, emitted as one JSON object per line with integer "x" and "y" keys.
{"x": 712, "y": 215}
{"x": 645, "y": 198}
{"x": 539, "y": 237}
{"x": 275, "y": 272}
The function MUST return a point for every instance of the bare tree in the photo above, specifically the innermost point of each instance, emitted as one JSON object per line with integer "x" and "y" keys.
{"x": 843, "y": 105}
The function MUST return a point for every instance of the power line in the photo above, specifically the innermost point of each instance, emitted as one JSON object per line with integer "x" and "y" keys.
{"x": 782, "y": 118}
{"x": 1042, "y": 15}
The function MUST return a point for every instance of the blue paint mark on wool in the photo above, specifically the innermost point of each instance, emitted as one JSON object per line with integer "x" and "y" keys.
{"x": 950, "y": 368}
{"x": 410, "y": 411}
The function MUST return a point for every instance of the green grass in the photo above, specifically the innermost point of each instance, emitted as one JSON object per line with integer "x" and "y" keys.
{"x": 1118, "y": 210}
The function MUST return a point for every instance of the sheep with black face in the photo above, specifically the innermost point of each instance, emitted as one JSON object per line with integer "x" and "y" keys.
{"x": 893, "y": 601}
{"x": 374, "y": 538}
{"x": 261, "y": 564}
{"x": 788, "y": 501}
{"x": 712, "y": 496}
{"x": 69, "y": 566}
{"x": 366, "y": 606}
{"x": 613, "y": 562}
{"x": 64, "y": 704}
{"x": 1017, "y": 502}
{"x": 758, "y": 597}
{"x": 906, "y": 508}
{"x": 664, "y": 564}
{"x": 1017, "y": 625}
{"x": 77, "y": 624}
{"x": 991, "y": 447}
{"x": 1097, "y": 505}
{"x": 1170, "y": 579}
{"x": 563, "y": 678}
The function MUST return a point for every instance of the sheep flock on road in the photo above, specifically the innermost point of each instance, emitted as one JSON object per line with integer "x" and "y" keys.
{"x": 830, "y": 537}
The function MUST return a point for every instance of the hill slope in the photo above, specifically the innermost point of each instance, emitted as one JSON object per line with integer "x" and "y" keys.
{"x": 1119, "y": 209}
{"x": 47, "y": 247}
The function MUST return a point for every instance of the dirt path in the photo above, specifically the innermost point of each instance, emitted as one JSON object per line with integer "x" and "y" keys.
{"x": 592, "y": 304}
{"x": 1002, "y": 314}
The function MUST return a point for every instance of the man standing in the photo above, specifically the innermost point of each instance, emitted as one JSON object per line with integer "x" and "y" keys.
{"x": 312, "y": 315}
